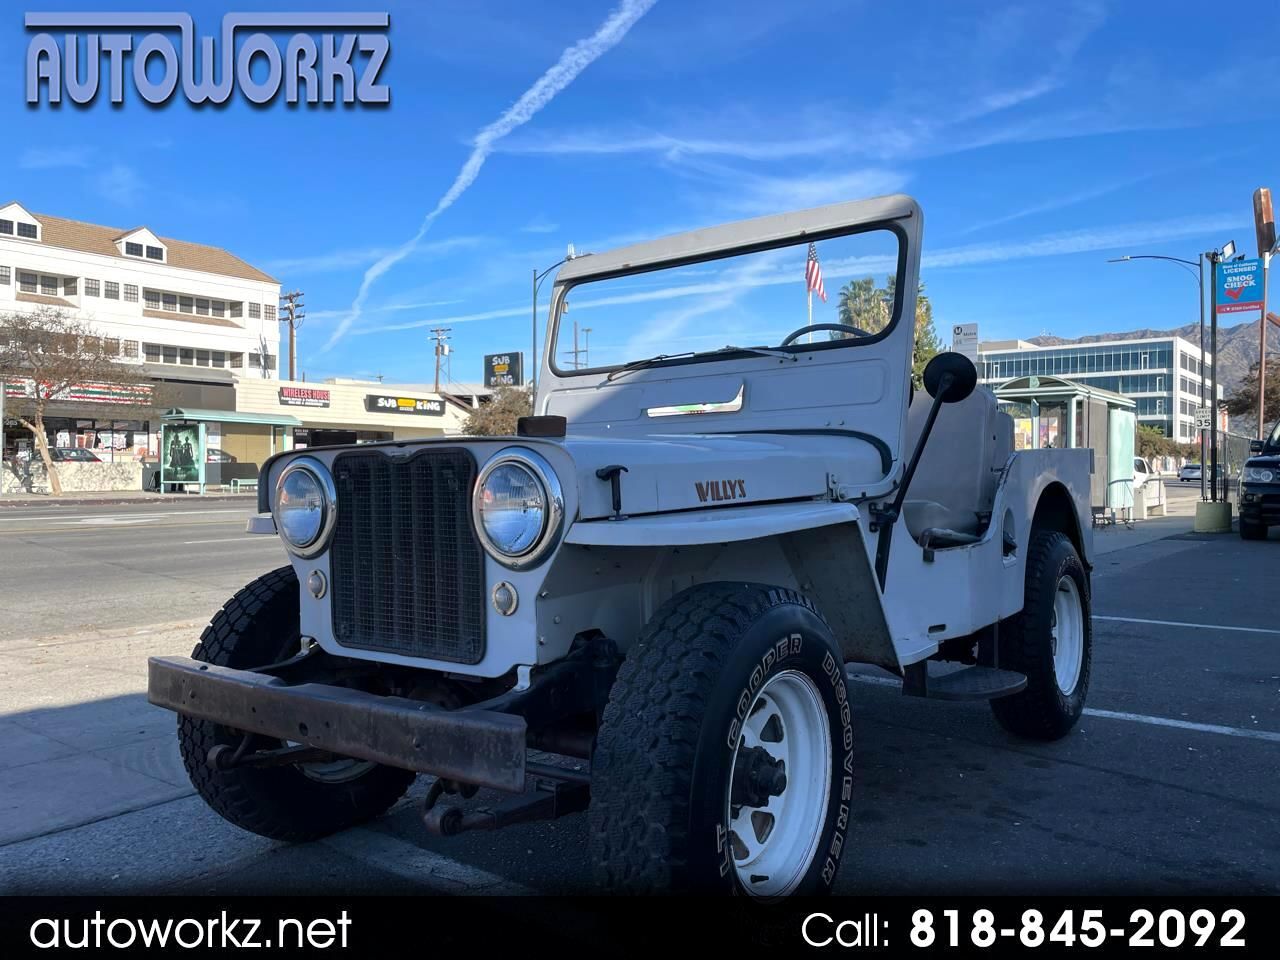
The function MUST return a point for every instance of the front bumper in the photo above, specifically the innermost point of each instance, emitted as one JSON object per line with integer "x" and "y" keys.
{"x": 1260, "y": 503}
{"x": 473, "y": 746}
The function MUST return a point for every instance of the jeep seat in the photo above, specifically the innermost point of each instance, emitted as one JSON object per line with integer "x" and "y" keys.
{"x": 955, "y": 483}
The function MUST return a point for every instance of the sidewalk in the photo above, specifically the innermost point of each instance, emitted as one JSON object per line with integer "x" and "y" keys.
{"x": 78, "y": 499}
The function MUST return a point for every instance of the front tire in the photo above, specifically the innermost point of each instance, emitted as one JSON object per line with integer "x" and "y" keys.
{"x": 256, "y": 627}
{"x": 1051, "y": 641}
{"x": 724, "y": 762}
{"x": 1252, "y": 531}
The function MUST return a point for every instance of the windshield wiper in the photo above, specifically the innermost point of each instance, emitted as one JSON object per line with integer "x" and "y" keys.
{"x": 646, "y": 362}
{"x": 759, "y": 351}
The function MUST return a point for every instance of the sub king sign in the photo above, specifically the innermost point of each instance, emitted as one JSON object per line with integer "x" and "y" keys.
{"x": 334, "y": 65}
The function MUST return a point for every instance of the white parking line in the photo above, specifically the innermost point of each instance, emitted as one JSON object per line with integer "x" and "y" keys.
{"x": 1182, "y": 623}
{"x": 393, "y": 855}
{"x": 120, "y": 516}
{"x": 1142, "y": 718}
{"x": 251, "y": 536}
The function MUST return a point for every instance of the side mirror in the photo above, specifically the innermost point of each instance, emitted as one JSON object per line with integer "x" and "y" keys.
{"x": 1255, "y": 446}
{"x": 952, "y": 373}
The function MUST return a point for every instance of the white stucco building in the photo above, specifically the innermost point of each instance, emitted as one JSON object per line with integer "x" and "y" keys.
{"x": 169, "y": 303}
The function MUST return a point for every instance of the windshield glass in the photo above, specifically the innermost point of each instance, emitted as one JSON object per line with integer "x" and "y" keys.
{"x": 749, "y": 300}
{"x": 1273, "y": 442}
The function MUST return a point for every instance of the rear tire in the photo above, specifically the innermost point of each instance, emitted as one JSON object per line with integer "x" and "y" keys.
{"x": 1252, "y": 531}
{"x": 259, "y": 626}
{"x": 724, "y": 762}
{"x": 1051, "y": 641}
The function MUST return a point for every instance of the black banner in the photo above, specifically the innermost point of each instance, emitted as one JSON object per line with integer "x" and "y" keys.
{"x": 632, "y": 926}
{"x": 382, "y": 403}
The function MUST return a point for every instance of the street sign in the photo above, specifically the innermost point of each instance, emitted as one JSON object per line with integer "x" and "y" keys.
{"x": 1204, "y": 418}
{"x": 503, "y": 370}
{"x": 1240, "y": 286}
{"x": 964, "y": 339}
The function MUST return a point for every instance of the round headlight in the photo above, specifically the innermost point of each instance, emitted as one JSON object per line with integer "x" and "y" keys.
{"x": 305, "y": 506}
{"x": 1258, "y": 474}
{"x": 518, "y": 507}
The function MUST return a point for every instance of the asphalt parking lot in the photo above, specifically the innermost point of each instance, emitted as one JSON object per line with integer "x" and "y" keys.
{"x": 1168, "y": 785}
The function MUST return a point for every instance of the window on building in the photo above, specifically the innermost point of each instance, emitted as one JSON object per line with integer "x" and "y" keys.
{"x": 170, "y": 354}
{"x": 69, "y": 286}
{"x": 151, "y": 352}
{"x": 151, "y": 299}
{"x": 132, "y": 249}
{"x": 218, "y": 358}
{"x": 155, "y": 253}
{"x": 170, "y": 301}
{"x": 202, "y": 306}
{"x": 235, "y": 310}
{"x": 49, "y": 286}
{"x": 187, "y": 356}
{"x": 111, "y": 346}
{"x": 4, "y": 276}
{"x": 236, "y": 361}
{"x": 27, "y": 230}
{"x": 268, "y": 311}
{"x": 271, "y": 361}
{"x": 91, "y": 288}
{"x": 202, "y": 358}
{"x": 129, "y": 349}
{"x": 111, "y": 289}
{"x": 6, "y": 226}
{"x": 255, "y": 311}
{"x": 255, "y": 362}
{"x": 187, "y": 304}
{"x": 130, "y": 293}
{"x": 218, "y": 308}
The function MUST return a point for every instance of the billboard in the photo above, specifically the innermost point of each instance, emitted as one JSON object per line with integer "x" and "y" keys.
{"x": 182, "y": 453}
{"x": 1240, "y": 286}
{"x": 503, "y": 370}
{"x": 382, "y": 403}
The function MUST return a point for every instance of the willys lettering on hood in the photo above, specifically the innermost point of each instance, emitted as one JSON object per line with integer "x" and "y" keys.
{"x": 721, "y": 490}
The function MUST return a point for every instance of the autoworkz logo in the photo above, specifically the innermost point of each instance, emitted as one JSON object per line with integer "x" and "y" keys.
{"x": 303, "y": 58}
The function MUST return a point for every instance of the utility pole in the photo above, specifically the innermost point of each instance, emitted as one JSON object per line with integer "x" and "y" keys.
{"x": 578, "y": 353}
{"x": 1264, "y": 222}
{"x": 291, "y": 313}
{"x": 441, "y": 336}
{"x": 586, "y": 346}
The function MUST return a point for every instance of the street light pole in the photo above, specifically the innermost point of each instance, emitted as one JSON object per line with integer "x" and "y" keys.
{"x": 1196, "y": 267}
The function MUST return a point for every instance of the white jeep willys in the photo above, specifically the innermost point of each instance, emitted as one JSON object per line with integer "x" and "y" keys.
{"x": 665, "y": 574}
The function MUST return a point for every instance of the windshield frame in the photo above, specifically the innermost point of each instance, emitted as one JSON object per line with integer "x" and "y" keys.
{"x": 561, "y": 292}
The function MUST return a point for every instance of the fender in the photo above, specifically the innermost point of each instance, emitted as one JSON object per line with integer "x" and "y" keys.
{"x": 715, "y": 525}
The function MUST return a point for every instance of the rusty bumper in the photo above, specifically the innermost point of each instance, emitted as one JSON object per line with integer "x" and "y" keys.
{"x": 480, "y": 747}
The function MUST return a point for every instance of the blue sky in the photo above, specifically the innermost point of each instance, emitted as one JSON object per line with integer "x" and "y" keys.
{"x": 1040, "y": 138}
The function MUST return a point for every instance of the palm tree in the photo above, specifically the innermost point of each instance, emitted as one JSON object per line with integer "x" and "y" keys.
{"x": 864, "y": 305}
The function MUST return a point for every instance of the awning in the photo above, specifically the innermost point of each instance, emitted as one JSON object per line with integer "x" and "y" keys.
{"x": 231, "y": 416}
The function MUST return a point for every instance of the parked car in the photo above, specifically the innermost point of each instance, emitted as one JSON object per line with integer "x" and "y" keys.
{"x": 569, "y": 590}
{"x": 1260, "y": 488}
{"x": 218, "y": 456}
{"x": 1142, "y": 472}
{"x": 66, "y": 454}
{"x": 1190, "y": 473}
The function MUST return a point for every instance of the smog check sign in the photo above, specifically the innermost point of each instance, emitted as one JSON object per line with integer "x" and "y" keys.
{"x": 1239, "y": 286}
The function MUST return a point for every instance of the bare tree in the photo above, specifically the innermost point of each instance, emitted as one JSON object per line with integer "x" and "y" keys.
{"x": 498, "y": 417}
{"x": 50, "y": 352}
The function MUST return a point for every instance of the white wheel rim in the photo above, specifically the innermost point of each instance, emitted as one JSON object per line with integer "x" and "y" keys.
{"x": 1067, "y": 631}
{"x": 772, "y": 843}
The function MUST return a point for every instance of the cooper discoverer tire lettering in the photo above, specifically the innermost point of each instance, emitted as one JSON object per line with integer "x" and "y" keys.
{"x": 730, "y": 714}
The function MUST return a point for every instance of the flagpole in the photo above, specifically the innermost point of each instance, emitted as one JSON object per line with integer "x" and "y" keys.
{"x": 811, "y": 315}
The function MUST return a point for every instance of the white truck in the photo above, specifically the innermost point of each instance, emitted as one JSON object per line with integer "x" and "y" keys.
{"x": 665, "y": 574}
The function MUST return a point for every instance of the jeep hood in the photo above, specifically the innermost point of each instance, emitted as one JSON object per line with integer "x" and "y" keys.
{"x": 700, "y": 471}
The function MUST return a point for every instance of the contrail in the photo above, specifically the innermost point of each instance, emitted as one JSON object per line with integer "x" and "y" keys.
{"x": 571, "y": 63}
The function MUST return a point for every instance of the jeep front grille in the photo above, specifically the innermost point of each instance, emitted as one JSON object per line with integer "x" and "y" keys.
{"x": 407, "y": 570}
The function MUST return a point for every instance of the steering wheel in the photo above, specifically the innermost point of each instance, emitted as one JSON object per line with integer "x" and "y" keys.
{"x": 795, "y": 335}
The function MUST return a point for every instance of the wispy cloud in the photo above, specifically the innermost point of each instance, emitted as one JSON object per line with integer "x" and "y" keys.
{"x": 357, "y": 258}
{"x": 120, "y": 184}
{"x": 672, "y": 147}
{"x": 572, "y": 62}
{"x": 754, "y": 193}
{"x": 55, "y": 158}
{"x": 540, "y": 225}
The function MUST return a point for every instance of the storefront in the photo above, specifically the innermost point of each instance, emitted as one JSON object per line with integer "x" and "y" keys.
{"x": 343, "y": 412}
{"x": 109, "y": 421}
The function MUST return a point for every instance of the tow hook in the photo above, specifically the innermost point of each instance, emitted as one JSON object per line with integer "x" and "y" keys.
{"x": 557, "y": 792}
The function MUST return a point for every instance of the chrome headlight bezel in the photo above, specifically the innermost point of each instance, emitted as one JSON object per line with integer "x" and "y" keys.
{"x": 552, "y": 494}
{"x": 329, "y": 503}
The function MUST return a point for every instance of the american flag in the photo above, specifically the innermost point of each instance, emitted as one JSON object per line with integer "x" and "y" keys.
{"x": 813, "y": 274}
